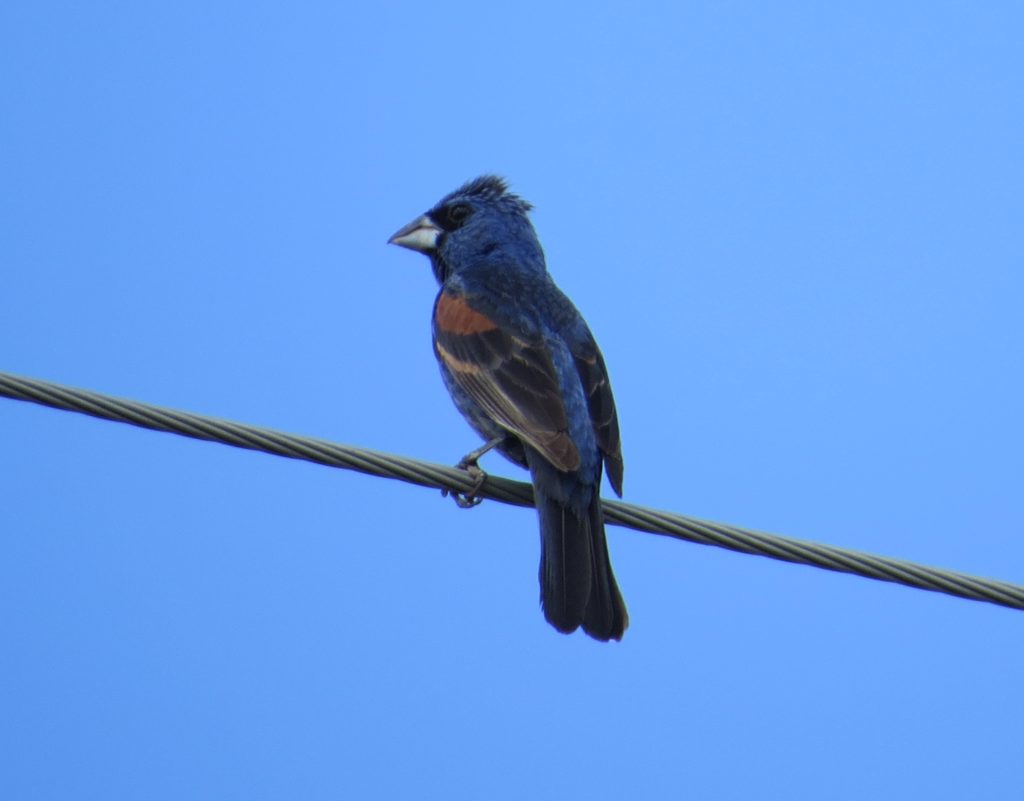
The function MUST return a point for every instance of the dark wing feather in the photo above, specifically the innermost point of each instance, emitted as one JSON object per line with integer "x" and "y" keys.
{"x": 601, "y": 404}
{"x": 511, "y": 378}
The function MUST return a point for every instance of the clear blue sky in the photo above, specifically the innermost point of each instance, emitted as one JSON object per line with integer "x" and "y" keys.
{"x": 796, "y": 230}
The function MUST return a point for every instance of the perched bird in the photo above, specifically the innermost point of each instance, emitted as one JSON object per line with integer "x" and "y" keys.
{"x": 524, "y": 370}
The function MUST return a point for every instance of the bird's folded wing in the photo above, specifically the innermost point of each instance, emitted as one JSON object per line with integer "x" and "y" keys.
{"x": 601, "y": 405}
{"x": 511, "y": 378}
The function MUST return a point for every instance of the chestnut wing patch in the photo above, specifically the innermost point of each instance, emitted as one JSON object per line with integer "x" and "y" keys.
{"x": 511, "y": 378}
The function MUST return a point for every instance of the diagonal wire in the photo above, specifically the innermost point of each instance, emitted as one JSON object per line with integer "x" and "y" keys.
{"x": 426, "y": 474}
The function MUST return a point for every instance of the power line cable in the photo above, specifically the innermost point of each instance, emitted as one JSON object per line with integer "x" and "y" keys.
{"x": 426, "y": 474}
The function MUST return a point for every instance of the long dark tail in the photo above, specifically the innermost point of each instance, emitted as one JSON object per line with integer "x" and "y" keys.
{"x": 577, "y": 584}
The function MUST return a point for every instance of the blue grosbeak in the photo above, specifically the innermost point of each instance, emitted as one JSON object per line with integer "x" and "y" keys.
{"x": 524, "y": 370}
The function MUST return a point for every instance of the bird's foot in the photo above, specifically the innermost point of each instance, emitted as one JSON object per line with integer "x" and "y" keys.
{"x": 467, "y": 500}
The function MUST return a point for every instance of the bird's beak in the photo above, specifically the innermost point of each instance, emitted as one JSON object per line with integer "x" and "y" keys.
{"x": 421, "y": 234}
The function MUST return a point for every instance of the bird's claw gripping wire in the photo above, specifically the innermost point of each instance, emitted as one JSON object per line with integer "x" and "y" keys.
{"x": 469, "y": 499}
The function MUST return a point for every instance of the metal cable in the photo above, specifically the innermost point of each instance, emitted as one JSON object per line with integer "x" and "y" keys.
{"x": 517, "y": 493}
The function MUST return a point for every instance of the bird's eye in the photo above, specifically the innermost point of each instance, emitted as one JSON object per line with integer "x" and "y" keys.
{"x": 458, "y": 214}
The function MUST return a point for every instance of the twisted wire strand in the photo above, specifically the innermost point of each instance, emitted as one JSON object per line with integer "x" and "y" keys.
{"x": 426, "y": 474}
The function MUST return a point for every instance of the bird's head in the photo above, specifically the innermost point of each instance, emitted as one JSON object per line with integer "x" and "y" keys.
{"x": 480, "y": 221}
